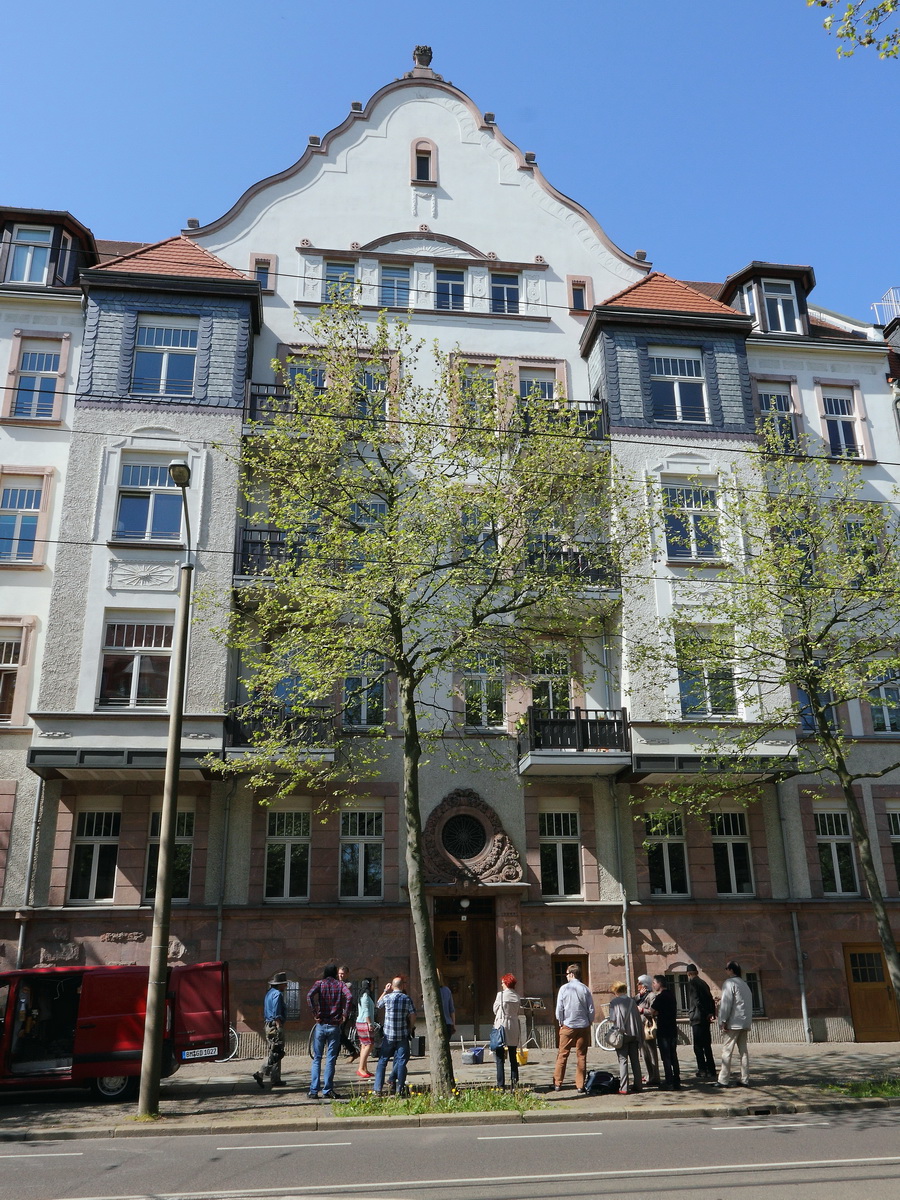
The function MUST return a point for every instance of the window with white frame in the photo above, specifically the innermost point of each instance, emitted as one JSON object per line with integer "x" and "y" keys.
{"x": 479, "y": 537}
{"x": 706, "y": 688}
{"x": 450, "y": 290}
{"x": 781, "y": 306}
{"x": 165, "y": 356}
{"x": 371, "y": 392}
{"x": 149, "y": 503}
{"x": 364, "y": 694}
{"x": 578, "y": 291}
{"x": 841, "y": 429}
{"x": 10, "y": 665}
{"x": 483, "y": 692}
{"x": 63, "y": 265}
{"x": 677, "y": 390}
{"x": 560, "y": 850}
{"x": 691, "y": 516}
{"x": 394, "y": 287}
{"x": 37, "y": 378}
{"x": 540, "y": 382}
{"x": 29, "y": 255}
{"x": 287, "y": 855}
{"x": 340, "y": 283}
{"x": 262, "y": 273}
{"x": 504, "y": 293}
{"x": 366, "y": 519}
{"x": 731, "y": 854}
{"x": 745, "y": 300}
{"x": 424, "y": 162}
{"x": 666, "y": 854}
{"x": 835, "y": 848}
{"x": 95, "y": 849}
{"x": 884, "y": 703}
{"x": 777, "y": 413}
{"x": 893, "y": 817}
{"x": 137, "y": 652}
{"x": 20, "y": 506}
{"x": 362, "y": 854}
{"x": 182, "y": 854}
{"x": 312, "y": 374}
{"x": 551, "y": 681}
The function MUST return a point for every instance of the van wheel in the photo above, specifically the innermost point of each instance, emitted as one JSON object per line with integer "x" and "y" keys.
{"x": 110, "y": 1088}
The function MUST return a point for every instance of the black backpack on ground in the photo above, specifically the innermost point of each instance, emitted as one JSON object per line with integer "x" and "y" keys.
{"x": 601, "y": 1083}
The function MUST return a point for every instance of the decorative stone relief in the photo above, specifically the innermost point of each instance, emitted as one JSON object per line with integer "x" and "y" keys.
{"x": 496, "y": 862}
{"x": 368, "y": 281}
{"x": 423, "y": 277}
{"x": 138, "y": 577}
{"x": 177, "y": 948}
{"x": 53, "y": 953}
{"x": 535, "y": 298}
{"x": 669, "y": 948}
{"x": 478, "y": 279}
{"x": 122, "y": 936}
{"x": 616, "y": 960}
{"x": 427, "y": 248}
{"x": 424, "y": 203}
{"x": 311, "y": 276}
{"x": 612, "y": 930}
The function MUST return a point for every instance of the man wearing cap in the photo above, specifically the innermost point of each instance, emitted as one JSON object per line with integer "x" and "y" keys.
{"x": 644, "y": 1000}
{"x": 274, "y": 1015}
{"x": 702, "y": 1013}
{"x": 735, "y": 1018}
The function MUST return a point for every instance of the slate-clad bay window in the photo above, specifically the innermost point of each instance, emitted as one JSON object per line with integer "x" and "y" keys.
{"x": 149, "y": 503}
{"x": 92, "y": 877}
{"x": 36, "y": 380}
{"x": 450, "y": 290}
{"x": 504, "y": 293}
{"x": 10, "y": 664}
{"x": 182, "y": 853}
{"x": 287, "y": 856}
{"x": 20, "y": 505}
{"x": 362, "y": 854}
{"x": 841, "y": 429}
{"x": 836, "y": 853}
{"x": 394, "y": 287}
{"x": 560, "y": 849}
{"x": 691, "y": 516}
{"x": 135, "y": 666}
{"x": 666, "y": 855}
{"x": 731, "y": 854}
{"x": 676, "y": 384}
{"x": 29, "y": 255}
{"x": 165, "y": 356}
{"x": 483, "y": 692}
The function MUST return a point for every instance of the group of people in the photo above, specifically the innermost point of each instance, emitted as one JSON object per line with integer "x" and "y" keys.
{"x": 645, "y": 1027}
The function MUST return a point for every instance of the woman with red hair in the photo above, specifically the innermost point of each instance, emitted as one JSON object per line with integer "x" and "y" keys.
{"x": 507, "y": 1008}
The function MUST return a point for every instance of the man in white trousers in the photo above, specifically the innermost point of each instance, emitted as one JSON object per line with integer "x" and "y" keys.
{"x": 735, "y": 1019}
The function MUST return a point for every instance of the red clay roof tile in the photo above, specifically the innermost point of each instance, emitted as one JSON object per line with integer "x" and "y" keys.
{"x": 659, "y": 291}
{"x": 174, "y": 256}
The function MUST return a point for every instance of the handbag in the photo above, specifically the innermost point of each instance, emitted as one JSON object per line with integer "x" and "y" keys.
{"x": 650, "y": 1029}
{"x": 615, "y": 1038}
{"x": 498, "y": 1038}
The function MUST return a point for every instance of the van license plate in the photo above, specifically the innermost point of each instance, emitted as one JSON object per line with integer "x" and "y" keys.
{"x": 206, "y": 1052}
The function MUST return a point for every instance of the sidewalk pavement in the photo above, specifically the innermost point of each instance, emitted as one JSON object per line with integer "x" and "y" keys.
{"x": 223, "y": 1097}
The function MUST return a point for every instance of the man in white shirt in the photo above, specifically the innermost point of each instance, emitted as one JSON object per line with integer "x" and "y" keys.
{"x": 735, "y": 1019}
{"x": 575, "y": 1013}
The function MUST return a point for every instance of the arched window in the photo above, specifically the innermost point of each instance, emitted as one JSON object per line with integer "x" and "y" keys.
{"x": 423, "y": 162}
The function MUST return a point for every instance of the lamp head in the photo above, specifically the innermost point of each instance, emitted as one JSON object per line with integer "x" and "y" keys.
{"x": 180, "y": 474}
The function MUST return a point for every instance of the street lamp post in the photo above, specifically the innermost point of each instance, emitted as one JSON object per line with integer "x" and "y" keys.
{"x": 154, "y": 1025}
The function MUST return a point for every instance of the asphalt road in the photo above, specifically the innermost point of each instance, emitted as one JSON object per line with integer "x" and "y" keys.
{"x": 804, "y": 1157}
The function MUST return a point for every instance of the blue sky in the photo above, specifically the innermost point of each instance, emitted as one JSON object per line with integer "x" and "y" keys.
{"x": 708, "y": 133}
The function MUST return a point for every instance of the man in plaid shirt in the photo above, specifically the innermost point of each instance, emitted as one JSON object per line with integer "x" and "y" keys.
{"x": 399, "y": 1022}
{"x": 330, "y": 1001}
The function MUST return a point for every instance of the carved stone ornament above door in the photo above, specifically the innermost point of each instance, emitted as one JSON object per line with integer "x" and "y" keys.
{"x": 465, "y": 842}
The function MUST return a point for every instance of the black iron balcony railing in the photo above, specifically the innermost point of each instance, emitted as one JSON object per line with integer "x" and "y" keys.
{"x": 580, "y": 729}
{"x": 312, "y": 725}
{"x": 266, "y": 400}
{"x": 594, "y": 570}
{"x": 258, "y": 548}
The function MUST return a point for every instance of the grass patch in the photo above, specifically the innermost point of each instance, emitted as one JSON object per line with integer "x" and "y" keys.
{"x": 885, "y": 1088}
{"x": 420, "y": 1101}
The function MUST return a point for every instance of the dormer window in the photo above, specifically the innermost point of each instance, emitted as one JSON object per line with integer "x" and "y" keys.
{"x": 781, "y": 306}
{"x": 29, "y": 256}
{"x": 423, "y": 162}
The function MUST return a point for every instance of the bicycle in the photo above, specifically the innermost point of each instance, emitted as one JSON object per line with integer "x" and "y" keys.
{"x": 601, "y": 1029}
{"x": 232, "y": 1047}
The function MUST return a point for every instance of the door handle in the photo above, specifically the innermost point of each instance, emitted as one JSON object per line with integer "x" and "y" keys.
{"x": 86, "y": 1025}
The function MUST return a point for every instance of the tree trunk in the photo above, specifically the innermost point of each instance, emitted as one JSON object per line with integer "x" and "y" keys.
{"x": 873, "y": 884}
{"x": 439, "y": 1060}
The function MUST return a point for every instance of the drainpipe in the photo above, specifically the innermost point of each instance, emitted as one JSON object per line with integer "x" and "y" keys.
{"x": 221, "y": 901}
{"x": 798, "y": 949}
{"x": 620, "y": 867}
{"x": 29, "y": 871}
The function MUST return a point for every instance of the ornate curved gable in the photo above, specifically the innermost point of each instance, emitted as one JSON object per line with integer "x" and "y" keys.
{"x": 465, "y": 842}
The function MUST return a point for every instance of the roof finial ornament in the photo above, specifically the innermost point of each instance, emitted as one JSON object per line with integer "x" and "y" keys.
{"x": 422, "y": 56}
{"x": 422, "y": 64}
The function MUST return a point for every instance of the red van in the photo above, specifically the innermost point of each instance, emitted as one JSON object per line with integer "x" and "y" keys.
{"x": 85, "y": 1025}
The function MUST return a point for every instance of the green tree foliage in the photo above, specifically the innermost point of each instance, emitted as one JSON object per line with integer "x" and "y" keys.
{"x": 797, "y": 617}
{"x": 862, "y": 23}
{"x": 430, "y": 516}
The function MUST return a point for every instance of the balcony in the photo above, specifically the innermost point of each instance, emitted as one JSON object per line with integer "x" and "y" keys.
{"x": 575, "y": 741}
{"x": 266, "y": 400}
{"x": 258, "y": 548}
{"x": 594, "y": 571}
{"x": 311, "y": 727}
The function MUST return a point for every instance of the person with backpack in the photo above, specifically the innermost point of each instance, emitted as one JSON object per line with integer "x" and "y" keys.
{"x": 507, "y": 1008}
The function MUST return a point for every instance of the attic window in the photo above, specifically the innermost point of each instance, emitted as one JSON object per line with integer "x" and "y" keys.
{"x": 264, "y": 268}
{"x": 781, "y": 306}
{"x": 423, "y": 165}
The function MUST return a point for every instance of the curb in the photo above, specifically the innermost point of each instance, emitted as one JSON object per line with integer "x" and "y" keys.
{"x": 174, "y": 1126}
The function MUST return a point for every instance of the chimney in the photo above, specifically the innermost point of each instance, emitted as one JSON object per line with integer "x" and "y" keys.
{"x": 193, "y": 223}
{"x": 640, "y": 255}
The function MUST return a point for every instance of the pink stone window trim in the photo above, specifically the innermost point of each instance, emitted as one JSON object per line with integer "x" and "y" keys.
{"x": 64, "y": 344}
{"x": 423, "y": 146}
{"x": 270, "y": 262}
{"x": 26, "y": 626}
{"x": 860, "y": 419}
{"x": 45, "y": 474}
{"x": 580, "y": 281}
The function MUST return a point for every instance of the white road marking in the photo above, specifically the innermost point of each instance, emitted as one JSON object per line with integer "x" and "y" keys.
{"x": 285, "y": 1146}
{"x": 48, "y": 1154}
{"x": 781, "y": 1125}
{"x": 644, "y": 1172}
{"x": 505, "y": 1137}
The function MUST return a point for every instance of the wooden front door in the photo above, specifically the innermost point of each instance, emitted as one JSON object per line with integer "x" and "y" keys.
{"x": 466, "y": 953}
{"x": 873, "y": 1005}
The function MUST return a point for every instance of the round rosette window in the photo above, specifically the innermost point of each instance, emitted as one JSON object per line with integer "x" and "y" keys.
{"x": 464, "y": 836}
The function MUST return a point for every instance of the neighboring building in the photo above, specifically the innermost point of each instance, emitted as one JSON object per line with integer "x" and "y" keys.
{"x": 421, "y": 201}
